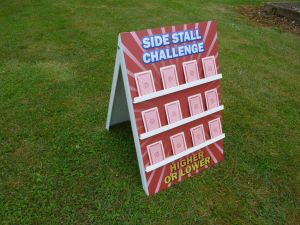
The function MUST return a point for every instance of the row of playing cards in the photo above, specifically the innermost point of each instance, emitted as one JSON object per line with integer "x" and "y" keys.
{"x": 156, "y": 150}
{"x": 151, "y": 116}
{"x": 195, "y": 101}
{"x": 145, "y": 83}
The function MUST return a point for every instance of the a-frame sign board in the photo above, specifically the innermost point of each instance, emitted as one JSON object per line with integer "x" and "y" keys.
{"x": 167, "y": 83}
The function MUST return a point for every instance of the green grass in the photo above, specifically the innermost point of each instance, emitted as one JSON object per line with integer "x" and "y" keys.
{"x": 58, "y": 164}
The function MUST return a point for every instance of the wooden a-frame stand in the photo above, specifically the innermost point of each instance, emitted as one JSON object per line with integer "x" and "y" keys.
{"x": 120, "y": 106}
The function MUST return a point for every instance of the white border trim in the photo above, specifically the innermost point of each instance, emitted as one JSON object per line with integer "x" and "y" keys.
{"x": 184, "y": 153}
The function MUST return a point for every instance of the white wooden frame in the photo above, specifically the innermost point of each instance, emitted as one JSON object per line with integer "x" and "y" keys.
{"x": 184, "y": 153}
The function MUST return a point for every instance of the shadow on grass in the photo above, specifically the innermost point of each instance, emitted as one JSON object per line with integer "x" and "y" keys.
{"x": 122, "y": 151}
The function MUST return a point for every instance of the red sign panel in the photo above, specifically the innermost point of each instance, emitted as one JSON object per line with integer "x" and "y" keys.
{"x": 174, "y": 77}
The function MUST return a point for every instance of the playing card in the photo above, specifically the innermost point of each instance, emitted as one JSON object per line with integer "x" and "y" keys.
{"x": 144, "y": 82}
{"x": 178, "y": 143}
{"x": 156, "y": 152}
{"x": 173, "y": 112}
{"x": 190, "y": 69}
{"x": 169, "y": 76}
{"x": 215, "y": 127}
{"x": 209, "y": 66}
{"x": 195, "y": 104}
{"x": 198, "y": 135}
{"x": 151, "y": 119}
{"x": 211, "y": 98}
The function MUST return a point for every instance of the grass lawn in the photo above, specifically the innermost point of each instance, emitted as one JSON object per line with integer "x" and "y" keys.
{"x": 58, "y": 164}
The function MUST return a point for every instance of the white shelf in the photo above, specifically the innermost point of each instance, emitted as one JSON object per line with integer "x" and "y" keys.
{"x": 184, "y": 153}
{"x": 180, "y": 122}
{"x": 176, "y": 89}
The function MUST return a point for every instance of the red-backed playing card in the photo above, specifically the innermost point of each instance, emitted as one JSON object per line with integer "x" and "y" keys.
{"x": 178, "y": 143}
{"x": 151, "y": 119}
{"x": 191, "y": 72}
{"x": 156, "y": 152}
{"x": 195, "y": 104}
{"x": 212, "y": 99}
{"x": 198, "y": 135}
{"x": 209, "y": 66}
{"x": 169, "y": 76}
{"x": 173, "y": 111}
{"x": 144, "y": 82}
{"x": 215, "y": 127}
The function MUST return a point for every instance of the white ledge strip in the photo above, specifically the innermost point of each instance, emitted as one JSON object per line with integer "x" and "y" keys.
{"x": 176, "y": 89}
{"x": 180, "y": 122}
{"x": 184, "y": 153}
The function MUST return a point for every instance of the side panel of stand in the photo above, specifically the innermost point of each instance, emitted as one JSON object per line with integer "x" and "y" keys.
{"x": 117, "y": 109}
{"x": 120, "y": 106}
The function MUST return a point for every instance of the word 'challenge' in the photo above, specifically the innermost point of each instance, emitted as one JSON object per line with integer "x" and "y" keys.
{"x": 196, "y": 46}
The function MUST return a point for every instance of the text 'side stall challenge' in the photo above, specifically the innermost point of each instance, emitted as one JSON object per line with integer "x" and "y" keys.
{"x": 167, "y": 83}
